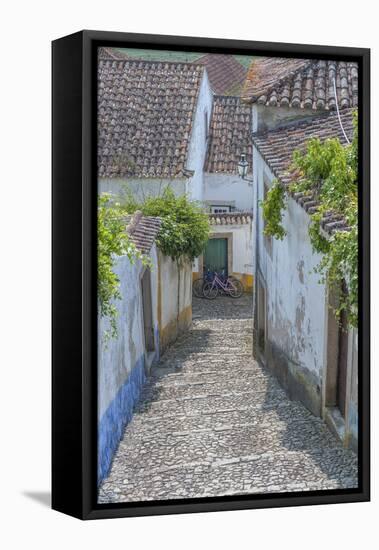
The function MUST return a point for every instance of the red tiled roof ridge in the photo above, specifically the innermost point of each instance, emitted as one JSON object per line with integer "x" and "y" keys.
{"x": 302, "y": 83}
{"x": 230, "y": 218}
{"x": 142, "y": 230}
{"x": 134, "y": 61}
{"x": 294, "y": 65}
{"x": 225, "y": 73}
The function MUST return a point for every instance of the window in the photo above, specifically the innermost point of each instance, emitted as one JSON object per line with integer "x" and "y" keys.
{"x": 206, "y": 132}
{"x": 221, "y": 209}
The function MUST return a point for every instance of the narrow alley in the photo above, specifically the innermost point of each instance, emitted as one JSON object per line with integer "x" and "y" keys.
{"x": 211, "y": 421}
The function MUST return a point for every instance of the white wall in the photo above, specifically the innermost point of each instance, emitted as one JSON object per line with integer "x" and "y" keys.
{"x": 295, "y": 299}
{"x": 198, "y": 143}
{"x": 141, "y": 187}
{"x": 118, "y": 356}
{"x": 175, "y": 311}
{"x": 229, "y": 187}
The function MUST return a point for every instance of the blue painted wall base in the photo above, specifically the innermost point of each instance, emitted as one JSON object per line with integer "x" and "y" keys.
{"x": 116, "y": 417}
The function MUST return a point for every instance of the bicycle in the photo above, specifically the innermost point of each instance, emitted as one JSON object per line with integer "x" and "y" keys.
{"x": 229, "y": 285}
{"x": 197, "y": 285}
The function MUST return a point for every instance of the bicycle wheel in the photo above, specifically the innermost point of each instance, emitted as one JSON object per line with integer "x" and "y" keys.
{"x": 210, "y": 291}
{"x": 235, "y": 288}
{"x": 197, "y": 287}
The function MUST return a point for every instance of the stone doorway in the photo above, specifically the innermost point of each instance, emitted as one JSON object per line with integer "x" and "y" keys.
{"x": 262, "y": 318}
{"x": 336, "y": 367}
{"x": 147, "y": 311}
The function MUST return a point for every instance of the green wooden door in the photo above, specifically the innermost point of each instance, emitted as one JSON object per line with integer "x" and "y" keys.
{"x": 216, "y": 255}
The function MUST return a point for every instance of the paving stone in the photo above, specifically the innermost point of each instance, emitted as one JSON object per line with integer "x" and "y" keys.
{"x": 211, "y": 421}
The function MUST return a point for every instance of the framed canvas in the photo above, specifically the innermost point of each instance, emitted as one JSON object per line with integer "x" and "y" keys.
{"x": 211, "y": 284}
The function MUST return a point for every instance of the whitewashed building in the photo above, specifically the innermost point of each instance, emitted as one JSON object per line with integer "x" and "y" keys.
{"x": 153, "y": 125}
{"x": 161, "y": 125}
{"x": 297, "y": 336}
{"x": 154, "y": 309}
{"x": 227, "y": 197}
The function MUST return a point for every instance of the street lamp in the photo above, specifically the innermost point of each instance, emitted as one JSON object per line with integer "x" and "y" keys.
{"x": 243, "y": 166}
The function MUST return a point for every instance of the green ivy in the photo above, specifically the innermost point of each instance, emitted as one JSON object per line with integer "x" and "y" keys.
{"x": 185, "y": 226}
{"x": 329, "y": 170}
{"x": 273, "y": 207}
{"x": 113, "y": 241}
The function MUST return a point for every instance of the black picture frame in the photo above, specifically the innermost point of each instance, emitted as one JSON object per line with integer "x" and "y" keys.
{"x": 74, "y": 314}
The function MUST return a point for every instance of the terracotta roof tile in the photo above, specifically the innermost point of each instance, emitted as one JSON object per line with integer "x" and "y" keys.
{"x": 145, "y": 112}
{"x": 143, "y": 230}
{"x": 231, "y": 218}
{"x": 226, "y": 74}
{"x": 277, "y": 148}
{"x": 229, "y": 136}
{"x": 110, "y": 53}
{"x": 302, "y": 83}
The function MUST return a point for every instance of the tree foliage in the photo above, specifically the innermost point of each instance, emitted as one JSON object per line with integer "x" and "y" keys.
{"x": 112, "y": 241}
{"x": 184, "y": 230}
{"x": 329, "y": 171}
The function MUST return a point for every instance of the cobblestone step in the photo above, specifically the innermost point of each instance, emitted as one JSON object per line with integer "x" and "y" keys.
{"x": 212, "y": 402}
{"x": 163, "y": 391}
{"x": 212, "y": 422}
{"x": 288, "y": 413}
{"x": 180, "y": 447}
{"x": 272, "y": 472}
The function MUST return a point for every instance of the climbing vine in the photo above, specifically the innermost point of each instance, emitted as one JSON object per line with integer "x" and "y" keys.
{"x": 273, "y": 207}
{"x": 329, "y": 171}
{"x": 184, "y": 229}
{"x": 112, "y": 241}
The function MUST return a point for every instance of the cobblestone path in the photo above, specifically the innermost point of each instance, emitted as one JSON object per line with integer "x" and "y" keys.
{"x": 212, "y": 422}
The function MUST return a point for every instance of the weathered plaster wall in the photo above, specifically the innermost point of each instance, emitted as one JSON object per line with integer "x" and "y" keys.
{"x": 140, "y": 187}
{"x": 229, "y": 188}
{"x": 175, "y": 301}
{"x": 121, "y": 360}
{"x": 268, "y": 118}
{"x": 295, "y": 301}
{"x": 198, "y": 140}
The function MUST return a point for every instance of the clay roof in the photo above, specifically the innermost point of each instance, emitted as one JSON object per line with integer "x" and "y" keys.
{"x": 145, "y": 112}
{"x": 226, "y": 75}
{"x": 301, "y": 83}
{"x": 277, "y": 148}
{"x": 229, "y": 136}
{"x": 143, "y": 230}
{"x": 230, "y": 218}
{"x": 110, "y": 53}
